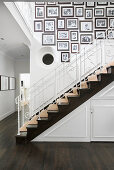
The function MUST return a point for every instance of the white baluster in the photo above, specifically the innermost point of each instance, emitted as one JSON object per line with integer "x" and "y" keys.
{"x": 84, "y": 63}
{"x": 80, "y": 72}
{"x": 18, "y": 101}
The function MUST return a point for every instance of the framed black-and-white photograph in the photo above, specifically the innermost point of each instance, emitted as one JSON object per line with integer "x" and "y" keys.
{"x": 72, "y": 23}
{"x": 86, "y": 26}
{"x": 63, "y": 35}
{"x": 52, "y": 11}
{"x": 90, "y": 4}
{"x": 102, "y": 3}
{"x": 51, "y": 3}
{"x": 39, "y": 12}
{"x": 67, "y": 11}
{"x": 63, "y": 45}
{"x": 111, "y": 3}
{"x": 86, "y": 38}
{"x": 39, "y": 3}
{"x": 101, "y": 22}
{"x": 110, "y": 34}
{"x": 74, "y": 35}
{"x": 74, "y": 48}
{"x": 99, "y": 12}
{"x": 49, "y": 25}
{"x": 4, "y": 83}
{"x": 65, "y": 57}
{"x": 100, "y": 34}
{"x": 60, "y": 23}
{"x": 88, "y": 13}
{"x": 12, "y": 83}
{"x": 77, "y": 3}
{"x": 64, "y": 2}
{"x": 110, "y": 11}
{"x": 79, "y": 11}
{"x": 111, "y": 22}
{"x": 48, "y": 39}
{"x": 38, "y": 26}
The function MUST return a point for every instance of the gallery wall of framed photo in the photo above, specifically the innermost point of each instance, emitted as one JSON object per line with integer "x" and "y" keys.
{"x": 69, "y": 25}
{"x": 7, "y": 83}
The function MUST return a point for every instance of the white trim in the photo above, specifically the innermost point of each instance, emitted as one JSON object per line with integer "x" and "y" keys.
{"x": 6, "y": 115}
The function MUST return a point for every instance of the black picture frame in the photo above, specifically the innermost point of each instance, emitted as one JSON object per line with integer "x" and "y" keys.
{"x": 61, "y": 27}
{"x": 67, "y": 7}
{"x": 63, "y": 31}
{"x": 101, "y": 27}
{"x": 102, "y": 34}
{"x": 98, "y": 15}
{"x": 51, "y": 15}
{"x": 48, "y": 43}
{"x": 107, "y": 15}
{"x": 87, "y": 29}
{"x": 72, "y": 27}
{"x": 86, "y": 38}
{"x": 77, "y": 11}
{"x": 41, "y": 14}
{"x": 88, "y": 9}
{"x": 111, "y": 34}
{"x": 76, "y": 50}
{"x": 4, "y": 83}
{"x": 110, "y": 24}
{"x": 78, "y": 3}
{"x": 12, "y": 83}
{"x": 68, "y": 57}
{"x": 71, "y": 36}
{"x": 41, "y": 27}
{"x": 49, "y": 20}
{"x": 102, "y": 3}
{"x": 63, "y": 49}
{"x": 89, "y": 6}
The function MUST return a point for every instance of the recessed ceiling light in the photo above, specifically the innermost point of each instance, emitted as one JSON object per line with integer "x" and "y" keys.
{"x": 2, "y": 39}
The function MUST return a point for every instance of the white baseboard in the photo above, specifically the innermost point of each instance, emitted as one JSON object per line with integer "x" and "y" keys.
{"x": 6, "y": 115}
{"x": 61, "y": 139}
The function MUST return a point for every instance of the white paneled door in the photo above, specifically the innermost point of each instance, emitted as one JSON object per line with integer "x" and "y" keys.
{"x": 102, "y": 120}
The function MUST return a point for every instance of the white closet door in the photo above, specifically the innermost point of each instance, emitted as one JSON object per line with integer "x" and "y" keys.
{"x": 102, "y": 120}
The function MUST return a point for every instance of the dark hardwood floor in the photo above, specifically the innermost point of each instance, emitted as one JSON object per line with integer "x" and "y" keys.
{"x": 51, "y": 156}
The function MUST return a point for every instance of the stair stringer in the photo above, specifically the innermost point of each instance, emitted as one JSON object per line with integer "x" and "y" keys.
{"x": 76, "y": 126}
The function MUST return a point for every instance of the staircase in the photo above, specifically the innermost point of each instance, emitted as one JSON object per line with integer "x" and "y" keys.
{"x": 66, "y": 103}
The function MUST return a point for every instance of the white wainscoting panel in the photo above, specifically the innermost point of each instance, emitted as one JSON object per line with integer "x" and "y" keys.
{"x": 74, "y": 127}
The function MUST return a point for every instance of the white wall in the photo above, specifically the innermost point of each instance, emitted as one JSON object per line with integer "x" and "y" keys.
{"x": 21, "y": 66}
{"x": 7, "y": 104}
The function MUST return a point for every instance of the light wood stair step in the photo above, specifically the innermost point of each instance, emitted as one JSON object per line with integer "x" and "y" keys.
{"x": 84, "y": 85}
{"x": 52, "y": 107}
{"x": 34, "y": 121}
{"x": 62, "y": 101}
{"x": 70, "y": 95}
{"x": 92, "y": 78}
{"x": 75, "y": 90}
{"x": 24, "y": 127}
{"x": 103, "y": 70}
{"x": 43, "y": 113}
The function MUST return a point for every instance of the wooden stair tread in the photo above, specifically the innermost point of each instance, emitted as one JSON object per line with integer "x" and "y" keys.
{"x": 84, "y": 85}
{"x": 52, "y": 107}
{"x": 43, "y": 113}
{"x": 24, "y": 127}
{"x": 103, "y": 70}
{"x": 110, "y": 64}
{"x": 70, "y": 95}
{"x": 33, "y": 121}
{"x": 62, "y": 101}
{"x": 75, "y": 90}
{"x": 92, "y": 78}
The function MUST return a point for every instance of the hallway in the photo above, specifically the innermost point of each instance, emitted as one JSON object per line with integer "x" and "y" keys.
{"x": 51, "y": 156}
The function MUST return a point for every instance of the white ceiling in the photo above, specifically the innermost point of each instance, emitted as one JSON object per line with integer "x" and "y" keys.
{"x": 14, "y": 43}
